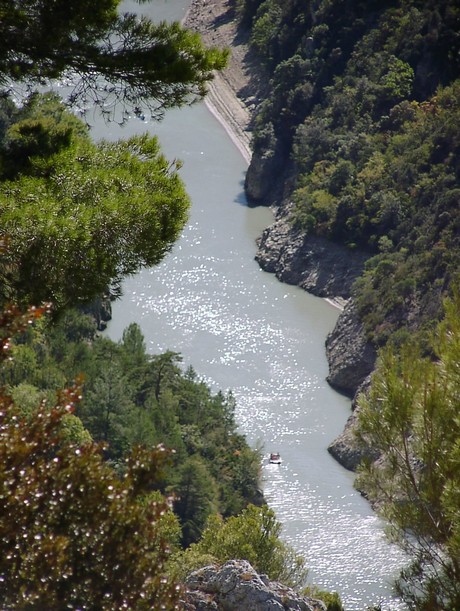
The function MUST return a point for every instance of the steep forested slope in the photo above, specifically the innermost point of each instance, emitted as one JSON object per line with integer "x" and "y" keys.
{"x": 358, "y": 144}
{"x": 361, "y": 131}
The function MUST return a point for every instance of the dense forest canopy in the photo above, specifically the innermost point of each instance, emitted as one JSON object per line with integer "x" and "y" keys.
{"x": 362, "y": 119}
{"x": 364, "y": 106}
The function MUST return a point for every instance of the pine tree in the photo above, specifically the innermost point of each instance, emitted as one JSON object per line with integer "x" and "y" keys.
{"x": 115, "y": 61}
{"x": 412, "y": 418}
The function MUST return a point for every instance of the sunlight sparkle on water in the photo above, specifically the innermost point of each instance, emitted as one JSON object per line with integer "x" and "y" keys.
{"x": 241, "y": 329}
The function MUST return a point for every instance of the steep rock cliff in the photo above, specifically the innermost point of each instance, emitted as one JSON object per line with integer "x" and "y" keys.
{"x": 315, "y": 264}
{"x": 348, "y": 449}
{"x": 262, "y": 176}
{"x": 350, "y": 355}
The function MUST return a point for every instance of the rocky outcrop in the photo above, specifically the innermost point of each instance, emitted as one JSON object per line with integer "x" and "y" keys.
{"x": 311, "y": 262}
{"x": 347, "y": 448}
{"x": 101, "y": 310}
{"x": 262, "y": 177}
{"x": 350, "y": 355}
{"x": 236, "y": 586}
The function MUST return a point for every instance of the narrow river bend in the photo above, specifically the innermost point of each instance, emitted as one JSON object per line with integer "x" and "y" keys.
{"x": 243, "y": 330}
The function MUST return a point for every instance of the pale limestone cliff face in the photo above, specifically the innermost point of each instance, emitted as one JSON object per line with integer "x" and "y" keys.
{"x": 236, "y": 586}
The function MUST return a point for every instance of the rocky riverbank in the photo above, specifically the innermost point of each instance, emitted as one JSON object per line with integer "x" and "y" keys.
{"x": 323, "y": 268}
{"x": 232, "y": 94}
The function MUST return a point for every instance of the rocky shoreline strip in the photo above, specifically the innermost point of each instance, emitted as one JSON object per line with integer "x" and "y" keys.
{"x": 229, "y": 94}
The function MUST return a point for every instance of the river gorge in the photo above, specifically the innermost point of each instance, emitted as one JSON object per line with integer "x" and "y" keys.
{"x": 241, "y": 329}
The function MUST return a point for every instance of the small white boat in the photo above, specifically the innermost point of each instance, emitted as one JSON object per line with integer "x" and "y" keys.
{"x": 275, "y": 458}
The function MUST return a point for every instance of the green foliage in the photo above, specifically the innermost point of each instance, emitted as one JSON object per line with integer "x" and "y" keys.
{"x": 134, "y": 345}
{"x": 397, "y": 82}
{"x": 365, "y": 105}
{"x": 411, "y": 418}
{"x": 253, "y": 535}
{"x": 267, "y": 18}
{"x": 132, "y": 398}
{"x": 27, "y": 397}
{"x": 197, "y": 497}
{"x": 331, "y": 599}
{"x": 246, "y": 10}
{"x": 417, "y": 208}
{"x": 73, "y": 533}
{"x": 276, "y": 28}
{"x": 116, "y": 61}
{"x": 73, "y": 431}
{"x": 81, "y": 216}
{"x": 106, "y": 407}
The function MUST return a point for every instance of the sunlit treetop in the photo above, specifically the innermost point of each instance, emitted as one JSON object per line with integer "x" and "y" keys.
{"x": 77, "y": 216}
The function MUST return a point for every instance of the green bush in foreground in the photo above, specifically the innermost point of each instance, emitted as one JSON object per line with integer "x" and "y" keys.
{"x": 73, "y": 534}
{"x": 253, "y": 535}
{"x": 412, "y": 418}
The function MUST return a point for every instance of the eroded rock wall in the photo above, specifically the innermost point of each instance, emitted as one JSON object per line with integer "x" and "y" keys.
{"x": 350, "y": 355}
{"x": 320, "y": 267}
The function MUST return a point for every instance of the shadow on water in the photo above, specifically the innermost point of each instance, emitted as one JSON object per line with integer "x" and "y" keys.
{"x": 241, "y": 199}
